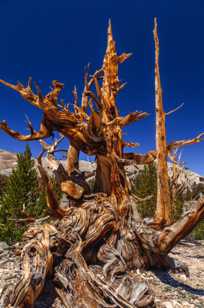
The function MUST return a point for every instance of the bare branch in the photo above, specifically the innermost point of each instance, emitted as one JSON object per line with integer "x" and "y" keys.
{"x": 75, "y": 95}
{"x": 25, "y": 92}
{"x": 93, "y": 96}
{"x": 51, "y": 148}
{"x": 39, "y": 91}
{"x": 181, "y": 143}
{"x": 121, "y": 87}
{"x": 132, "y": 117}
{"x": 174, "y": 110}
{"x": 44, "y": 132}
{"x": 30, "y": 83}
{"x": 170, "y": 235}
{"x": 30, "y": 126}
{"x": 52, "y": 97}
{"x": 141, "y": 199}
{"x": 88, "y": 84}
{"x": 123, "y": 57}
{"x": 128, "y": 119}
{"x": 98, "y": 89}
{"x": 130, "y": 144}
{"x": 141, "y": 159}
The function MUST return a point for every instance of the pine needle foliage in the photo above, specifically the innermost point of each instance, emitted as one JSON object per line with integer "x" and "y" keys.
{"x": 145, "y": 185}
{"x": 3, "y": 181}
{"x": 21, "y": 199}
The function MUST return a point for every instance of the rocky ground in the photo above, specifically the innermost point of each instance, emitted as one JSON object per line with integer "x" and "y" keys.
{"x": 172, "y": 290}
{"x": 176, "y": 290}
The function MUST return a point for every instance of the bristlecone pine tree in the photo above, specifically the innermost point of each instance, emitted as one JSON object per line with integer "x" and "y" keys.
{"x": 96, "y": 236}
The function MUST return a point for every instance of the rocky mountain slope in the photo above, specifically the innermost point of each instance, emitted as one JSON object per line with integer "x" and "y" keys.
{"x": 8, "y": 162}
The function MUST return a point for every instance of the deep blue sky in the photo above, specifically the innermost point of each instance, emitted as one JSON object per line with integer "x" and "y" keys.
{"x": 50, "y": 39}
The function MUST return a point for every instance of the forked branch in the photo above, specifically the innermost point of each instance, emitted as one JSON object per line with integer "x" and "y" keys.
{"x": 44, "y": 132}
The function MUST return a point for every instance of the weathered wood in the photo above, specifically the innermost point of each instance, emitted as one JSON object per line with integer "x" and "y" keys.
{"x": 163, "y": 207}
{"x": 36, "y": 262}
{"x": 73, "y": 190}
{"x": 72, "y": 159}
{"x": 163, "y": 213}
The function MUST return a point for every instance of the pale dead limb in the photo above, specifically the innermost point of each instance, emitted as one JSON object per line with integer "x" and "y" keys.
{"x": 51, "y": 148}
{"x": 174, "y": 110}
{"x": 137, "y": 198}
{"x": 181, "y": 143}
{"x": 169, "y": 236}
{"x": 163, "y": 206}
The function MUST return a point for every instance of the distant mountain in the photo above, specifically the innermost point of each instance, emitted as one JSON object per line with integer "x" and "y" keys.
{"x": 8, "y": 162}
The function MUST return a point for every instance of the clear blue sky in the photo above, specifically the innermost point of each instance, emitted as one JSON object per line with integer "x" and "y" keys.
{"x": 55, "y": 39}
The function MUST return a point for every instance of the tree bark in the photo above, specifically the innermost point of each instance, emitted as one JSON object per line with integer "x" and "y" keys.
{"x": 72, "y": 159}
{"x": 163, "y": 214}
{"x": 103, "y": 175}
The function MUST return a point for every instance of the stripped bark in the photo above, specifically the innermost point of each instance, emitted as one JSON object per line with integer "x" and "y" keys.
{"x": 163, "y": 206}
{"x": 163, "y": 213}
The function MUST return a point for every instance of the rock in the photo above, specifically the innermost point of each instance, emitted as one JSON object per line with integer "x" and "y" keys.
{"x": 172, "y": 304}
{"x": 3, "y": 246}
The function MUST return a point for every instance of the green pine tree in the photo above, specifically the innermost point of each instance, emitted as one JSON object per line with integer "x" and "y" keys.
{"x": 198, "y": 231}
{"x": 144, "y": 185}
{"x": 21, "y": 198}
{"x": 3, "y": 180}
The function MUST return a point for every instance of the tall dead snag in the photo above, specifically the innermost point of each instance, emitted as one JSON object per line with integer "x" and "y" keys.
{"x": 163, "y": 213}
{"x": 96, "y": 244}
{"x": 163, "y": 206}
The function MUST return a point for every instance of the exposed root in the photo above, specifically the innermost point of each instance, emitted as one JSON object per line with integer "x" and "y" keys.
{"x": 36, "y": 263}
{"x": 93, "y": 257}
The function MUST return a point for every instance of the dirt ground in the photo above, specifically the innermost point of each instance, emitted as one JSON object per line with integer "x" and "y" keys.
{"x": 174, "y": 290}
